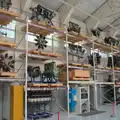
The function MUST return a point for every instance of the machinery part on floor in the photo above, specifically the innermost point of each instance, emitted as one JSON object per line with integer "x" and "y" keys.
{"x": 16, "y": 102}
{"x": 91, "y": 113}
{"x": 73, "y": 27}
{"x": 41, "y": 43}
{"x": 5, "y": 4}
{"x": 96, "y": 32}
{"x": 41, "y": 13}
{"x": 6, "y": 63}
{"x": 73, "y": 99}
{"x": 34, "y": 72}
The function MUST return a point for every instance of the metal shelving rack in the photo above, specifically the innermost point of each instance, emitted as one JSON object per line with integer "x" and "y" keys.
{"x": 95, "y": 83}
{"x": 26, "y": 89}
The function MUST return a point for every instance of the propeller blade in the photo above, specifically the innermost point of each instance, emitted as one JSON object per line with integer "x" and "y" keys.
{"x": 12, "y": 66}
{"x": 6, "y": 55}
{"x": 37, "y": 36}
{"x": 12, "y": 62}
{"x": 10, "y": 57}
{"x": 36, "y": 40}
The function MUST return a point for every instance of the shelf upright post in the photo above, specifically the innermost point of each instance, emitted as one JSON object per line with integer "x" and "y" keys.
{"x": 67, "y": 64}
{"x": 52, "y": 44}
{"x": 26, "y": 65}
{"x": 113, "y": 68}
{"x": 95, "y": 85}
{"x": 15, "y": 41}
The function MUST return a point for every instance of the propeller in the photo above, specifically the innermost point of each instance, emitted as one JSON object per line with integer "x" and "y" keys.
{"x": 6, "y": 62}
{"x": 41, "y": 43}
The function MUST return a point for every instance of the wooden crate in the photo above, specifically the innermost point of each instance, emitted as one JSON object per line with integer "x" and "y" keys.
{"x": 7, "y": 16}
{"x": 7, "y": 74}
{"x": 74, "y": 75}
{"x": 80, "y": 74}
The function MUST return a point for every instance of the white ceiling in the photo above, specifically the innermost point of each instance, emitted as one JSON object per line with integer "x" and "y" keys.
{"x": 51, "y": 4}
{"x": 89, "y": 6}
{"x": 98, "y": 8}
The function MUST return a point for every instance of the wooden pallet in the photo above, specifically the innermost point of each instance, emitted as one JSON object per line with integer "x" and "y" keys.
{"x": 117, "y": 83}
{"x": 75, "y": 65}
{"x": 45, "y": 85}
{"x": 41, "y": 28}
{"x": 7, "y": 74}
{"x": 108, "y": 68}
{"x": 7, "y": 16}
{"x": 37, "y": 85}
{"x": 81, "y": 78}
{"x": 101, "y": 46}
{"x": 80, "y": 65}
{"x": 7, "y": 44}
{"x": 57, "y": 85}
{"x": 37, "y": 52}
{"x": 74, "y": 39}
{"x": 117, "y": 68}
{"x": 31, "y": 57}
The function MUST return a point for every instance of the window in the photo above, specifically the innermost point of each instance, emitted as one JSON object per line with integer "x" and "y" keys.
{"x": 9, "y": 30}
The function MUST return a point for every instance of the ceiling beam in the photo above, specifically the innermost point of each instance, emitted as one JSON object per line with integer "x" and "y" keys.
{"x": 67, "y": 19}
{"x": 107, "y": 27}
{"x": 96, "y": 10}
{"x": 26, "y": 4}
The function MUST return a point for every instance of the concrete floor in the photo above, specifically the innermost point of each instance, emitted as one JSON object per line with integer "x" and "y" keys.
{"x": 103, "y": 116}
